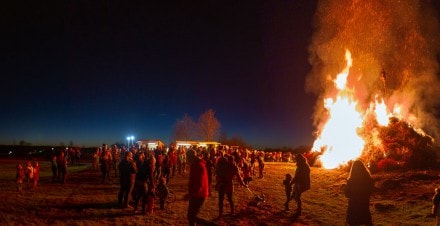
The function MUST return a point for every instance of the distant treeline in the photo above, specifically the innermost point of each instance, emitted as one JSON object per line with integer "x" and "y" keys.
{"x": 39, "y": 152}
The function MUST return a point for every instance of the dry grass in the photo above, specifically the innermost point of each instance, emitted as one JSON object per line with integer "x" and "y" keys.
{"x": 84, "y": 201}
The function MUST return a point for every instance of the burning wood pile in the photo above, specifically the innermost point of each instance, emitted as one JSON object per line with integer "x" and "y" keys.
{"x": 380, "y": 106}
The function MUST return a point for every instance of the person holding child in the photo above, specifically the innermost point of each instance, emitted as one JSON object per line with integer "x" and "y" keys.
{"x": 301, "y": 181}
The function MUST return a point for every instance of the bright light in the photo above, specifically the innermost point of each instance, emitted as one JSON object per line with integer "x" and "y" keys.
{"x": 130, "y": 138}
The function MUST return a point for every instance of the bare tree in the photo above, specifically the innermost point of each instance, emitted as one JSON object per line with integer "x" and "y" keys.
{"x": 184, "y": 128}
{"x": 208, "y": 126}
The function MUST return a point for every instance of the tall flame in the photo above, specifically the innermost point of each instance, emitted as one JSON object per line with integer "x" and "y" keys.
{"x": 339, "y": 136}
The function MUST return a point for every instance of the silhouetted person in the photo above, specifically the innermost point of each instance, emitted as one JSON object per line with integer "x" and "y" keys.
{"x": 358, "y": 190}
{"x": 435, "y": 206}
{"x": 106, "y": 163}
{"x": 209, "y": 168}
{"x": 54, "y": 167}
{"x": 145, "y": 185}
{"x": 226, "y": 172}
{"x": 300, "y": 182}
{"x": 20, "y": 177}
{"x": 288, "y": 190}
{"x": 198, "y": 190}
{"x": 62, "y": 168}
{"x": 127, "y": 174}
{"x": 162, "y": 192}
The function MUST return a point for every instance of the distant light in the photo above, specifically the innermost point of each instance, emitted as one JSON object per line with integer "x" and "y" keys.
{"x": 132, "y": 137}
{"x": 128, "y": 138}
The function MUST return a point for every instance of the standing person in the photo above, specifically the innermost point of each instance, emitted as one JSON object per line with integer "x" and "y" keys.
{"x": 246, "y": 169}
{"x": 288, "y": 189}
{"x": 172, "y": 154}
{"x": 20, "y": 177}
{"x": 127, "y": 173}
{"x": 209, "y": 168}
{"x": 145, "y": 184}
{"x": 359, "y": 187}
{"x": 198, "y": 190}
{"x": 106, "y": 163}
{"x": 226, "y": 171}
{"x": 435, "y": 206}
{"x": 54, "y": 168}
{"x": 260, "y": 160}
{"x": 252, "y": 163}
{"x": 166, "y": 167}
{"x": 29, "y": 172}
{"x": 159, "y": 158}
{"x": 301, "y": 181}
{"x": 36, "y": 174}
{"x": 181, "y": 161}
{"x": 95, "y": 160}
{"x": 162, "y": 192}
{"x": 77, "y": 156}
{"x": 62, "y": 168}
{"x": 116, "y": 156}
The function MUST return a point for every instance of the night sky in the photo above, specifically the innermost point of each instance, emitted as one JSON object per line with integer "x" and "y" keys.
{"x": 93, "y": 72}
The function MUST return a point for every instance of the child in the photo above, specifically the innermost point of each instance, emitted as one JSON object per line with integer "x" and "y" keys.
{"x": 162, "y": 192}
{"x": 150, "y": 200}
{"x": 288, "y": 189}
{"x": 29, "y": 173}
{"x": 20, "y": 177}
{"x": 246, "y": 173}
{"x": 36, "y": 174}
{"x": 435, "y": 206}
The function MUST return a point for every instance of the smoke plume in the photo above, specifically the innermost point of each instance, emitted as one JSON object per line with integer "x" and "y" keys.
{"x": 395, "y": 49}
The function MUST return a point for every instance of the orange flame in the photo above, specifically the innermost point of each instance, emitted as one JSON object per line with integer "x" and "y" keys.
{"x": 339, "y": 135}
{"x": 338, "y": 140}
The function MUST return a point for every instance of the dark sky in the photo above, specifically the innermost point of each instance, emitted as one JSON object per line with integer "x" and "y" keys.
{"x": 93, "y": 72}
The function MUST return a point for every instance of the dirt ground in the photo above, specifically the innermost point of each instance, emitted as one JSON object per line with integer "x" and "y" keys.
{"x": 401, "y": 198}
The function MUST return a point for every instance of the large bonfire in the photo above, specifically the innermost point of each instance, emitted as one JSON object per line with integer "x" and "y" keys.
{"x": 376, "y": 104}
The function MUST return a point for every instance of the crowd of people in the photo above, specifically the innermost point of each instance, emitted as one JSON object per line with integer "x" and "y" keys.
{"x": 144, "y": 175}
{"x": 29, "y": 174}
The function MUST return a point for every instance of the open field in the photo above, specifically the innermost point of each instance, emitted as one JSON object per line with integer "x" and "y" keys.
{"x": 401, "y": 199}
